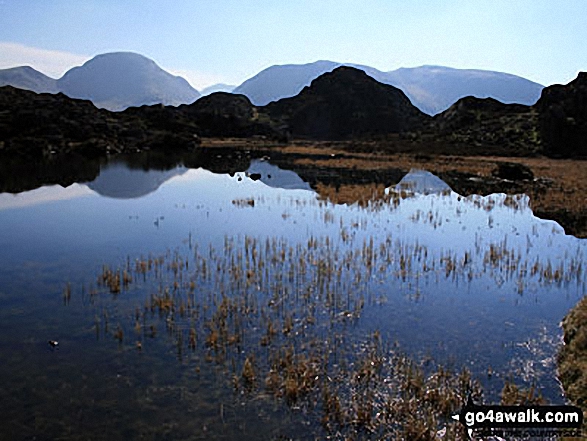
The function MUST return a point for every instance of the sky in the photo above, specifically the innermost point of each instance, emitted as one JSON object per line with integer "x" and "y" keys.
{"x": 228, "y": 41}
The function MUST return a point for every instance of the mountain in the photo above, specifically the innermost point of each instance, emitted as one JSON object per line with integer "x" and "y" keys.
{"x": 432, "y": 89}
{"x": 27, "y": 78}
{"x": 119, "y": 80}
{"x": 285, "y": 81}
{"x": 220, "y": 87}
{"x": 343, "y": 104}
{"x": 114, "y": 81}
{"x": 346, "y": 103}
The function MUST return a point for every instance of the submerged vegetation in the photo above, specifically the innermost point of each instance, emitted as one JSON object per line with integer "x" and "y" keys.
{"x": 284, "y": 319}
{"x": 375, "y": 319}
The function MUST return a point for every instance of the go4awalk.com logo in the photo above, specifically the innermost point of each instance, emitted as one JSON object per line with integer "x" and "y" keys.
{"x": 522, "y": 421}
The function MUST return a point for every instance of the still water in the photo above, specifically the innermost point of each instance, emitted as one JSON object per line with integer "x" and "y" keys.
{"x": 160, "y": 285}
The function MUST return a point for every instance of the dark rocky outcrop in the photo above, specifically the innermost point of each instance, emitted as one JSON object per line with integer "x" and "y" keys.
{"x": 217, "y": 115}
{"x": 223, "y": 114}
{"x": 470, "y": 110}
{"x": 43, "y": 125}
{"x": 346, "y": 103}
{"x": 563, "y": 118}
{"x": 497, "y": 128}
{"x": 555, "y": 126}
{"x": 513, "y": 171}
{"x": 223, "y": 104}
{"x": 38, "y": 124}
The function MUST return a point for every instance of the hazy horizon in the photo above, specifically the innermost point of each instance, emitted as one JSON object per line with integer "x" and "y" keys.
{"x": 229, "y": 42}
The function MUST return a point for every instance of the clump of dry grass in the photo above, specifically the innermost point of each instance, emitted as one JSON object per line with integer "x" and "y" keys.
{"x": 277, "y": 316}
{"x": 572, "y": 358}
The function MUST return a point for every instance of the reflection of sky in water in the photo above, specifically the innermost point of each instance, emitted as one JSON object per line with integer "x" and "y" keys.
{"x": 490, "y": 311}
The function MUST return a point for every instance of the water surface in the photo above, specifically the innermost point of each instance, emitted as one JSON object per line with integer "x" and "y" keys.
{"x": 476, "y": 282}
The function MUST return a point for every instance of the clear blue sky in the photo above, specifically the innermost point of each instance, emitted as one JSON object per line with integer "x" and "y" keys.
{"x": 230, "y": 40}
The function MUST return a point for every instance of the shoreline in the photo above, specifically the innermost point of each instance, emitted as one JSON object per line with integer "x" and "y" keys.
{"x": 557, "y": 192}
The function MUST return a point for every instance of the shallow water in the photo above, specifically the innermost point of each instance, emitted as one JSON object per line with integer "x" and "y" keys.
{"x": 477, "y": 282}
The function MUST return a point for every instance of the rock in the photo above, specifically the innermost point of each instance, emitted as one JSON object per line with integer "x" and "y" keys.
{"x": 471, "y": 110}
{"x": 41, "y": 125}
{"x": 488, "y": 127}
{"x": 346, "y": 103}
{"x": 172, "y": 141}
{"x": 223, "y": 114}
{"x": 563, "y": 118}
{"x": 513, "y": 171}
{"x": 223, "y": 104}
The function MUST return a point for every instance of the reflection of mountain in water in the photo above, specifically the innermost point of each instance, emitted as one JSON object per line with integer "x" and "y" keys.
{"x": 273, "y": 176}
{"x": 423, "y": 182}
{"x": 117, "y": 180}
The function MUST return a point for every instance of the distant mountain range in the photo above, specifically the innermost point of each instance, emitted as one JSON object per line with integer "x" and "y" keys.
{"x": 432, "y": 89}
{"x": 114, "y": 81}
{"x": 345, "y": 104}
{"x": 119, "y": 80}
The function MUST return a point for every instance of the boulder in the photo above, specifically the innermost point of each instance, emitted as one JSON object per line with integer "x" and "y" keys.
{"x": 563, "y": 118}
{"x": 513, "y": 171}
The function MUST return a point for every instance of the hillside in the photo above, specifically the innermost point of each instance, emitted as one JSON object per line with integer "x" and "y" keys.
{"x": 346, "y": 103}
{"x": 433, "y": 89}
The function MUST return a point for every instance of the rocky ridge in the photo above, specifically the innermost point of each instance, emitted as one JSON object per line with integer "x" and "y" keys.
{"x": 345, "y": 104}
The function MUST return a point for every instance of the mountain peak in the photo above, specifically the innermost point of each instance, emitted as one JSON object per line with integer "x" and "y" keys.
{"x": 118, "y": 80}
{"x": 119, "y": 60}
{"x": 25, "y": 77}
